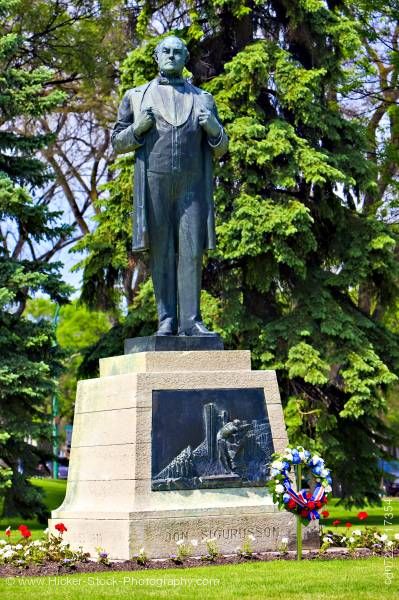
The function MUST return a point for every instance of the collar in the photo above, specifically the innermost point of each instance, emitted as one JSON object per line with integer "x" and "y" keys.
{"x": 175, "y": 81}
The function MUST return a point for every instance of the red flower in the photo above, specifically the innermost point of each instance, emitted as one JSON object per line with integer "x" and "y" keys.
{"x": 60, "y": 527}
{"x": 311, "y": 505}
{"x": 23, "y": 528}
{"x": 304, "y": 512}
{"x": 348, "y": 524}
{"x": 26, "y": 533}
{"x": 291, "y": 503}
{"x": 8, "y": 531}
{"x": 325, "y": 500}
{"x": 362, "y": 515}
{"x": 319, "y": 504}
{"x": 336, "y": 522}
{"x": 325, "y": 513}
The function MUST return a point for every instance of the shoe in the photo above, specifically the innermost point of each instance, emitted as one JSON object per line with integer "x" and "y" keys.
{"x": 166, "y": 328}
{"x": 198, "y": 329}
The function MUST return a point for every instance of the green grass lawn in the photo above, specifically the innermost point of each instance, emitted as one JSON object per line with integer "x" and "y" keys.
{"x": 54, "y": 492}
{"x": 316, "y": 580}
{"x": 375, "y": 518}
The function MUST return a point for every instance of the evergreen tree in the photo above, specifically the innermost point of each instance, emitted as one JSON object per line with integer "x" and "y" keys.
{"x": 295, "y": 248}
{"x": 29, "y": 360}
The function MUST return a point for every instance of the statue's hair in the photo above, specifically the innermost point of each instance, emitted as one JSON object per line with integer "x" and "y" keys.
{"x": 161, "y": 43}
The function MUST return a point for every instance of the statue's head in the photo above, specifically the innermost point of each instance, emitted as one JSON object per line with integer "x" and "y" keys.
{"x": 171, "y": 55}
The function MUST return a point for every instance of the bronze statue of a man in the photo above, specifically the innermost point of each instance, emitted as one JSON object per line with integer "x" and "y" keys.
{"x": 173, "y": 126}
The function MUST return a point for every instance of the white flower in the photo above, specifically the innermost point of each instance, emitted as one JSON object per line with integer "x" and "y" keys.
{"x": 180, "y": 542}
{"x": 316, "y": 459}
{"x": 328, "y": 489}
{"x": 288, "y": 455}
{"x": 356, "y": 532}
{"x": 194, "y": 543}
{"x": 302, "y": 455}
{"x": 396, "y": 536}
{"x": 284, "y": 540}
{"x": 325, "y": 472}
{"x": 343, "y": 539}
{"x": 7, "y": 547}
{"x": 251, "y": 537}
{"x": 141, "y": 551}
{"x": 280, "y": 488}
{"x": 326, "y": 539}
{"x": 389, "y": 543}
{"x": 3, "y": 542}
{"x": 351, "y": 540}
{"x": 8, "y": 554}
{"x": 46, "y": 531}
{"x": 277, "y": 464}
{"x": 18, "y": 547}
{"x": 37, "y": 543}
{"x": 381, "y": 537}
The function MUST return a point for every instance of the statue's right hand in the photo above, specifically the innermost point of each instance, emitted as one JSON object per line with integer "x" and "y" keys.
{"x": 144, "y": 122}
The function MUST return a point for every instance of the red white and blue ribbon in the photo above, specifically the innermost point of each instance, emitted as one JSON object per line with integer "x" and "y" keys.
{"x": 305, "y": 500}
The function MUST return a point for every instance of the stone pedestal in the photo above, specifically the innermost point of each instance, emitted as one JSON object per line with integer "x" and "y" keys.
{"x": 110, "y": 500}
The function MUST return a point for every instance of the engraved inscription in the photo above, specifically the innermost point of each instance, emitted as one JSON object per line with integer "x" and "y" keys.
{"x": 226, "y": 533}
{"x": 176, "y": 536}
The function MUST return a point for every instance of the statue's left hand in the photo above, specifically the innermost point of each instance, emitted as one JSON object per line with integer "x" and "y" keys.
{"x": 208, "y": 121}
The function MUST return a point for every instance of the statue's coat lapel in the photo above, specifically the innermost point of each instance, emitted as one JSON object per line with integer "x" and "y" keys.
{"x": 160, "y": 98}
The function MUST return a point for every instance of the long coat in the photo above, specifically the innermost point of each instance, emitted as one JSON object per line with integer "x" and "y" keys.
{"x": 124, "y": 140}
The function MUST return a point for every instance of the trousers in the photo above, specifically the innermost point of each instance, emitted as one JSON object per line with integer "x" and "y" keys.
{"x": 177, "y": 216}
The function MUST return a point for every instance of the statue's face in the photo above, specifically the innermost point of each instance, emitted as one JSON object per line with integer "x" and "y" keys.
{"x": 171, "y": 56}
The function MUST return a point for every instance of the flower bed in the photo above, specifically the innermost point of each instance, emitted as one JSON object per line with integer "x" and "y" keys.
{"x": 89, "y": 566}
{"x": 369, "y": 538}
{"x": 50, "y": 549}
{"x": 51, "y": 555}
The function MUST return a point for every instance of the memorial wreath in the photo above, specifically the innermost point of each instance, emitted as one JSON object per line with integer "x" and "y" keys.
{"x": 305, "y": 503}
